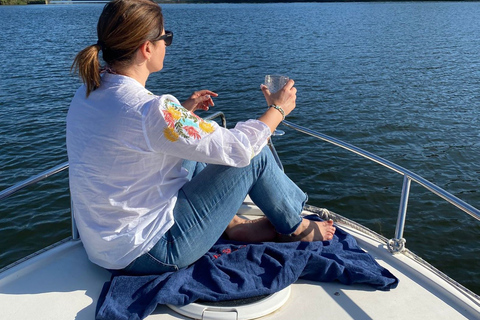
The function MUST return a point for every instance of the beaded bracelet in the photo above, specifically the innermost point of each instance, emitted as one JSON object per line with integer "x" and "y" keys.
{"x": 274, "y": 106}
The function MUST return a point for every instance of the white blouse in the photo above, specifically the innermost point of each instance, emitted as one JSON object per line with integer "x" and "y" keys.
{"x": 125, "y": 149}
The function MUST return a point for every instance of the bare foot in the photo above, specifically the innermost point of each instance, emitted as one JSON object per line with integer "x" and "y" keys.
{"x": 245, "y": 230}
{"x": 310, "y": 230}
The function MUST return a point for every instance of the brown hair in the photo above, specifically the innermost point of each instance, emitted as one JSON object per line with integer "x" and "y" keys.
{"x": 122, "y": 28}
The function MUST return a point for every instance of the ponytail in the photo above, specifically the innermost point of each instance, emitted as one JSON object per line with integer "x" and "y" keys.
{"x": 87, "y": 65}
{"x": 118, "y": 37}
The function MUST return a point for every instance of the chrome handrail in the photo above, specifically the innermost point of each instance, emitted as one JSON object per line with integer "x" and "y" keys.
{"x": 220, "y": 115}
{"x": 25, "y": 183}
{"x": 396, "y": 244}
{"x": 58, "y": 168}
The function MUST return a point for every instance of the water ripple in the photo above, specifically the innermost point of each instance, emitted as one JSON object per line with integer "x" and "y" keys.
{"x": 399, "y": 79}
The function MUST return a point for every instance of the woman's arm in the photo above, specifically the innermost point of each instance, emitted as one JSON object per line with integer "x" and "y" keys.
{"x": 170, "y": 128}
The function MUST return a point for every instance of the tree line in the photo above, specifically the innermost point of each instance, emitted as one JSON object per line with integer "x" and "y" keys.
{"x": 23, "y": 2}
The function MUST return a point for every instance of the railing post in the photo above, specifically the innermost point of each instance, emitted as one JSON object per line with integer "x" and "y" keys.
{"x": 397, "y": 244}
{"x": 75, "y": 234}
{"x": 275, "y": 154}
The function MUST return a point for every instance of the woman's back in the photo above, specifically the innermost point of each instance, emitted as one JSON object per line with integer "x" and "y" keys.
{"x": 118, "y": 183}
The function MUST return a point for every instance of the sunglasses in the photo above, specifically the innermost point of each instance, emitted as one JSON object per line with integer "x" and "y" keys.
{"x": 167, "y": 37}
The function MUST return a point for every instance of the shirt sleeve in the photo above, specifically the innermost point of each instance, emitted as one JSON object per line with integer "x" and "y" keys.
{"x": 171, "y": 129}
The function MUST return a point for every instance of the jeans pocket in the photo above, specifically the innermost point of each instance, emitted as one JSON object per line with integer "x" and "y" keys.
{"x": 147, "y": 264}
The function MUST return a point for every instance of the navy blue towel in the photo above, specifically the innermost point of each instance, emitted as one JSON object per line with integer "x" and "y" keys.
{"x": 232, "y": 270}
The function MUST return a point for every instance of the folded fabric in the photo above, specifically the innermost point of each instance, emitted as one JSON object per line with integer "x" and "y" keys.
{"x": 233, "y": 270}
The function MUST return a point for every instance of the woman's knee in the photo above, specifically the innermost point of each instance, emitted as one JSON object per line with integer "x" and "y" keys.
{"x": 264, "y": 156}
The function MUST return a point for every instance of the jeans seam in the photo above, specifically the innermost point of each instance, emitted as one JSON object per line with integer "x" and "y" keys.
{"x": 161, "y": 262}
{"x": 300, "y": 214}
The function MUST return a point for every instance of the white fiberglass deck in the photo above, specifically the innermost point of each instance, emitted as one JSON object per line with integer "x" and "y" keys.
{"x": 62, "y": 284}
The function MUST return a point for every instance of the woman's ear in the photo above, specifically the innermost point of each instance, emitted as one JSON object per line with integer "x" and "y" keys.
{"x": 146, "y": 50}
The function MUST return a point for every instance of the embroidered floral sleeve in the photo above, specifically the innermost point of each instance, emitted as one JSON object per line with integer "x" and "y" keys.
{"x": 183, "y": 123}
{"x": 171, "y": 129}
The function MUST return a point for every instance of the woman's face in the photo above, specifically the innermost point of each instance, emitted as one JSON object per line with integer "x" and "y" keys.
{"x": 158, "y": 55}
{"x": 159, "y": 48}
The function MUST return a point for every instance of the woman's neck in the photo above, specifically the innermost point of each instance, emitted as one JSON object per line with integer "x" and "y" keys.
{"x": 133, "y": 73}
{"x": 136, "y": 70}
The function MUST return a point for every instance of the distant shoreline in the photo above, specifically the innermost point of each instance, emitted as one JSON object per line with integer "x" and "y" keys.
{"x": 25, "y": 2}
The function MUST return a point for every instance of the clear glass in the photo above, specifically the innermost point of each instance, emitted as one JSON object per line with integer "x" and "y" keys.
{"x": 274, "y": 83}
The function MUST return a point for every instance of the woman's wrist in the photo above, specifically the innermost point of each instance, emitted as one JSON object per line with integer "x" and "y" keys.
{"x": 271, "y": 118}
{"x": 279, "y": 109}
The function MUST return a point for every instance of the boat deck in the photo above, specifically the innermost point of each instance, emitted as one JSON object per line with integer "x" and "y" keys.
{"x": 61, "y": 283}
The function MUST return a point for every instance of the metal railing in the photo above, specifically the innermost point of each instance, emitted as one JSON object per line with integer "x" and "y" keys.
{"x": 32, "y": 180}
{"x": 59, "y": 168}
{"x": 396, "y": 244}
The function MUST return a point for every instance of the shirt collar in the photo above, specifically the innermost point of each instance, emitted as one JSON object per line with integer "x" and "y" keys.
{"x": 120, "y": 79}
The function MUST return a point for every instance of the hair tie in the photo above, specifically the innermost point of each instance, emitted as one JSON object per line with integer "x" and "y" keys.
{"x": 107, "y": 69}
{"x": 101, "y": 44}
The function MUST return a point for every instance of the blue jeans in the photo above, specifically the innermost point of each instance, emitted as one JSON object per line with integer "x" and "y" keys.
{"x": 208, "y": 202}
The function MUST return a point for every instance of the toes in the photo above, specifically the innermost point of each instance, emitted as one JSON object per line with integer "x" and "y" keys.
{"x": 329, "y": 230}
{"x": 328, "y": 236}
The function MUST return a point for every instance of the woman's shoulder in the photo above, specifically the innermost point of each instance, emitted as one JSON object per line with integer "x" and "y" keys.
{"x": 166, "y": 100}
{"x": 81, "y": 92}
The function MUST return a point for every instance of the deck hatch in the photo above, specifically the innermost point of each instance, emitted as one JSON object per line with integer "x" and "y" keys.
{"x": 242, "y": 309}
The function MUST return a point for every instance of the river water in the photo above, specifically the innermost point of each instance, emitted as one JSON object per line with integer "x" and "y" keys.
{"x": 399, "y": 79}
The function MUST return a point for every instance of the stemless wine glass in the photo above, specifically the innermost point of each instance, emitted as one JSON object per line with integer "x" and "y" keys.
{"x": 275, "y": 83}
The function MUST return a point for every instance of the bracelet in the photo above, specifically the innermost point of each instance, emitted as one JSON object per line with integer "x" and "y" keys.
{"x": 274, "y": 106}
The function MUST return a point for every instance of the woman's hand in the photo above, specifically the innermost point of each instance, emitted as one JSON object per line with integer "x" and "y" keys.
{"x": 285, "y": 97}
{"x": 200, "y": 100}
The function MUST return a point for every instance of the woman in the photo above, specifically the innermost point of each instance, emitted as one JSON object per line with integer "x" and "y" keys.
{"x": 144, "y": 201}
